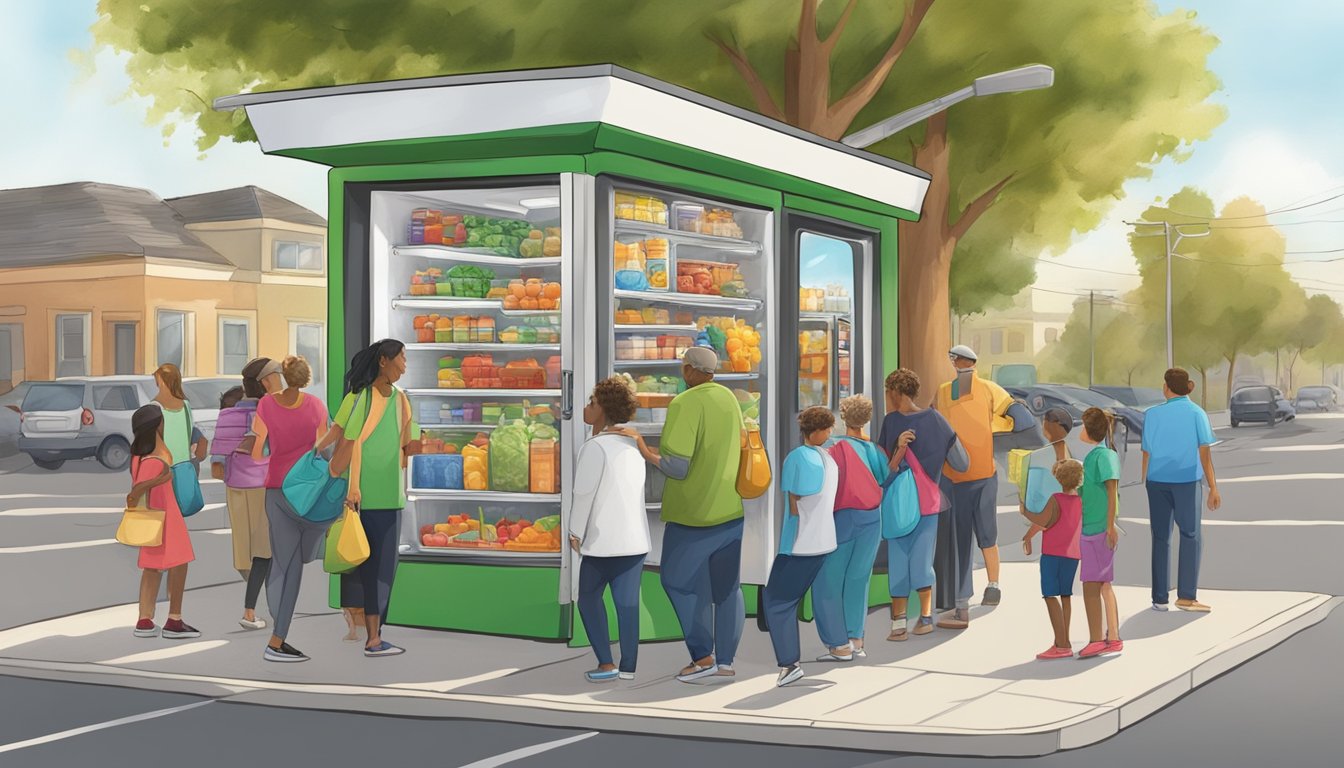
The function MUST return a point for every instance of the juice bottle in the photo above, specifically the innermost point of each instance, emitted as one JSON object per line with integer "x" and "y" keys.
{"x": 543, "y": 467}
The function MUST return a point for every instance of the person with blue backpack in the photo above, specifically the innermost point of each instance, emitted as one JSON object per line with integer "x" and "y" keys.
{"x": 244, "y": 480}
{"x": 908, "y": 430}
{"x": 379, "y": 430}
{"x": 840, "y": 592}
{"x": 292, "y": 425}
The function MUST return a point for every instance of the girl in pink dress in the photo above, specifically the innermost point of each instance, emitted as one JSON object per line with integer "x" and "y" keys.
{"x": 152, "y": 483}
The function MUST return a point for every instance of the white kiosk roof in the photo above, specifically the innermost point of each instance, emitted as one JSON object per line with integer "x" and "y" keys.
{"x": 463, "y": 105}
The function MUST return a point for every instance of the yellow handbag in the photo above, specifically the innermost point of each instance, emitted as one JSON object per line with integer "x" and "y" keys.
{"x": 753, "y": 468}
{"x": 141, "y": 527}
{"x": 347, "y": 546}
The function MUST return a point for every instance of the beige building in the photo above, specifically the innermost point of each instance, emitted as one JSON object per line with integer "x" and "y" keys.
{"x": 97, "y": 279}
{"x": 1011, "y": 336}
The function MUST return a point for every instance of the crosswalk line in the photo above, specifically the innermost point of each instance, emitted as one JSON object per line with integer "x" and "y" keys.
{"x": 60, "y": 735}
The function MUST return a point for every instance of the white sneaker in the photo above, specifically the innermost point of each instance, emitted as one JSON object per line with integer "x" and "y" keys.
{"x": 862, "y": 654}
{"x": 695, "y": 672}
{"x": 627, "y": 675}
{"x": 1161, "y": 607}
{"x": 836, "y": 657}
{"x": 791, "y": 675}
{"x": 253, "y": 624}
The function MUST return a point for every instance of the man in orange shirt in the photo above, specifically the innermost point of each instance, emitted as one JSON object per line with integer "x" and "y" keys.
{"x": 976, "y": 408}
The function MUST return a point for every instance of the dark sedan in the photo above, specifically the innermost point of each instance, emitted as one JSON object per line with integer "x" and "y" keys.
{"x": 1320, "y": 399}
{"x": 1260, "y": 404}
{"x": 1139, "y": 398}
{"x": 1075, "y": 400}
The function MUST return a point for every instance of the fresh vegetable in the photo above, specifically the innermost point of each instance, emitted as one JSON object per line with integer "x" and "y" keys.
{"x": 509, "y": 458}
{"x": 547, "y": 523}
{"x": 468, "y": 270}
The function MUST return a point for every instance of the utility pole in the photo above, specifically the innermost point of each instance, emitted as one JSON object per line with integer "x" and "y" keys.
{"x": 1091, "y": 339}
{"x": 1171, "y": 247}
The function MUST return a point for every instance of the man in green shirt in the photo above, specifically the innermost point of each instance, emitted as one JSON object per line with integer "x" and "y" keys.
{"x": 699, "y": 452}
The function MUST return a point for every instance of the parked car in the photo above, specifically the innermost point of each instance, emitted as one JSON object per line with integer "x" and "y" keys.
{"x": 203, "y": 395}
{"x": 1322, "y": 399}
{"x": 80, "y": 418}
{"x": 1075, "y": 400}
{"x": 1260, "y": 403}
{"x": 1138, "y": 398}
{"x": 9, "y": 417}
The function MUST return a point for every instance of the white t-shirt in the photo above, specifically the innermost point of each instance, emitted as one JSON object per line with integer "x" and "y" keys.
{"x": 812, "y": 531}
{"x": 608, "y": 512}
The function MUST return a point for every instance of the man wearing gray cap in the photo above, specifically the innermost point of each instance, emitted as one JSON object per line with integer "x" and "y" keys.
{"x": 699, "y": 452}
{"x": 976, "y": 408}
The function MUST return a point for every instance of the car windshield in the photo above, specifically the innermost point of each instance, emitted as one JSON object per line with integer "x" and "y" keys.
{"x": 1255, "y": 394}
{"x": 205, "y": 394}
{"x": 1090, "y": 398}
{"x": 54, "y": 397}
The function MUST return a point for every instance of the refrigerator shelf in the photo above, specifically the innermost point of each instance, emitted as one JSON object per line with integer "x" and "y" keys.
{"x": 457, "y": 428}
{"x": 624, "y": 226}
{"x": 486, "y": 393}
{"x": 646, "y": 363}
{"x": 451, "y": 303}
{"x": 691, "y": 300}
{"x": 823, "y": 316}
{"x": 467, "y": 256}
{"x": 439, "y": 494}
{"x": 491, "y": 347}
{"x": 656, "y": 329}
{"x": 736, "y": 376}
{"x": 484, "y": 556}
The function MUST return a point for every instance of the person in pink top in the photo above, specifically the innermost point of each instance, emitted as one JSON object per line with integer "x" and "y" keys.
{"x": 152, "y": 484}
{"x": 288, "y": 423}
{"x": 1061, "y": 549}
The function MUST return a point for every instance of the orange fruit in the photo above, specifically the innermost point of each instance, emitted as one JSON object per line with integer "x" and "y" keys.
{"x": 529, "y": 303}
{"x": 552, "y": 290}
{"x": 517, "y": 289}
{"x": 545, "y": 303}
{"x": 533, "y": 290}
{"x": 512, "y": 302}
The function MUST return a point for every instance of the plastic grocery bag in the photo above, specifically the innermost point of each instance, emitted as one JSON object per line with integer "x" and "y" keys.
{"x": 347, "y": 545}
{"x": 900, "y": 505}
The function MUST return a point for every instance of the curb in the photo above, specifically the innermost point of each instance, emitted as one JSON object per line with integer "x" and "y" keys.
{"x": 1084, "y": 730}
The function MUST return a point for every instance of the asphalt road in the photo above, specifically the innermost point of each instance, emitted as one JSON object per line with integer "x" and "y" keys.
{"x": 1282, "y": 708}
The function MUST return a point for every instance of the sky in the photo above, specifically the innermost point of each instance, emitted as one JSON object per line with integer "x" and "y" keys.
{"x": 1281, "y": 65}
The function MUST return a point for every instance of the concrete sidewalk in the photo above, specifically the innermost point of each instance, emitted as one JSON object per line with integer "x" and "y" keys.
{"x": 979, "y": 692}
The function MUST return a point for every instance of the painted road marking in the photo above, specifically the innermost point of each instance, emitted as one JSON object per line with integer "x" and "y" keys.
{"x": 83, "y": 544}
{"x": 1250, "y": 523}
{"x": 1274, "y": 478}
{"x": 45, "y": 511}
{"x": 100, "y": 726}
{"x": 525, "y": 752}
{"x": 1302, "y": 448}
{"x": 62, "y": 495}
{"x": 170, "y": 652}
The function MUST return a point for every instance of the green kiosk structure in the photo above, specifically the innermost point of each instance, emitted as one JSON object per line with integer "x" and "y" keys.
{"x": 530, "y": 233}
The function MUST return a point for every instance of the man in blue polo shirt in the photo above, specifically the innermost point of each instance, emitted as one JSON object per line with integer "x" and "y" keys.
{"x": 1177, "y": 440}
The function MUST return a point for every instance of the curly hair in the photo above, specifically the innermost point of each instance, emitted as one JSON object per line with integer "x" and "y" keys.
{"x": 616, "y": 400}
{"x": 815, "y": 419}
{"x": 856, "y": 410}
{"x": 904, "y": 381}
{"x": 296, "y": 371}
{"x": 1069, "y": 473}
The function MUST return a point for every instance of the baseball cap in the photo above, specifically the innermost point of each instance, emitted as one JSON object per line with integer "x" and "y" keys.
{"x": 961, "y": 350}
{"x": 702, "y": 359}
{"x": 272, "y": 366}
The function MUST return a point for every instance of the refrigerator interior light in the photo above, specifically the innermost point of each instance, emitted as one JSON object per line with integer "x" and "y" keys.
{"x": 534, "y": 203}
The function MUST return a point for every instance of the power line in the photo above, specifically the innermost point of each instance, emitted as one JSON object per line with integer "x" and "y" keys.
{"x": 1266, "y": 264}
{"x": 1290, "y": 208}
{"x": 1089, "y": 269}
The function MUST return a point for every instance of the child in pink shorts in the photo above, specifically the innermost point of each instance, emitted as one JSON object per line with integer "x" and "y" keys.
{"x": 1101, "y": 502}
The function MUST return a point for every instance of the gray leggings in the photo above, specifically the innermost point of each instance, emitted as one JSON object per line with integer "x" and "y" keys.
{"x": 294, "y": 542}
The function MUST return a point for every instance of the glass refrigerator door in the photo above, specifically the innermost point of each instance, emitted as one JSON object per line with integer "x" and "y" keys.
{"x": 826, "y": 278}
{"x": 680, "y": 270}
{"x": 474, "y": 279}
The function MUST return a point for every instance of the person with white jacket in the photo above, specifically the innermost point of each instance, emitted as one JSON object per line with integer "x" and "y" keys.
{"x": 608, "y": 527}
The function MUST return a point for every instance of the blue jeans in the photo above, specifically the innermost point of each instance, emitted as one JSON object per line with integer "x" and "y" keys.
{"x": 369, "y": 585}
{"x": 910, "y": 558}
{"x": 701, "y": 572}
{"x": 1182, "y": 503}
{"x": 840, "y": 593}
{"x": 790, "y": 577}
{"x": 623, "y": 574}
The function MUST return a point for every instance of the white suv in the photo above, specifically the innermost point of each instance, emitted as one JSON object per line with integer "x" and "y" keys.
{"x": 82, "y": 418}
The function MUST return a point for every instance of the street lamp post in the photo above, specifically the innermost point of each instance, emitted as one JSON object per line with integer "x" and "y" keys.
{"x": 1091, "y": 335}
{"x": 1171, "y": 247}
{"x": 1027, "y": 78}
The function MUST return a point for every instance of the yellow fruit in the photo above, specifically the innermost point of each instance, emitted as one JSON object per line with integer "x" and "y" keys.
{"x": 733, "y": 345}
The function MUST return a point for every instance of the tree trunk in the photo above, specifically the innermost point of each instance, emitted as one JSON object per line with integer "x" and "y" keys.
{"x": 1231, "y": 373}
{"x": 924, "y": 258}
{"x": 1203, "y": 388}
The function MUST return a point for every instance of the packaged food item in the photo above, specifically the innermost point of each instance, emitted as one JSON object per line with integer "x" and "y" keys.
{"x": 688, "y": 216}
{"x": 656, "y": 271}
{"x": 632, "y": 278}
{"x": 476, "y": 467}
{"x": 695, "y": 277}
{"x": 553, "y": 370}
{"x": 544, "y": 466}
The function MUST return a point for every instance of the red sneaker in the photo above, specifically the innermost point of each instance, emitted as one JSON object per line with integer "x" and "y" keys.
{"x": 1053, "y": 654}
{"x": 1115, "y": 647}
{"x": 1092, "y": 650}
{"x": 146, "y": 628}
{"x": 176, "y": 629}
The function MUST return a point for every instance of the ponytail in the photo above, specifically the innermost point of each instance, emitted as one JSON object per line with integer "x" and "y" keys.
{"x": 1100, "y": 426}
{"x": 364, "y": 365}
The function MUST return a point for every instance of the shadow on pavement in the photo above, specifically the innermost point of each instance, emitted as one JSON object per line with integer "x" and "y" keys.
{"x": 1153, "y": 623}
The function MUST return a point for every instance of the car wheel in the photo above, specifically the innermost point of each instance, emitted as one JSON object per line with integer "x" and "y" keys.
{"x": 114, "y": 453}
{"x": 1273, "y": 418}
{"x": 1235, "y": 423}
{"x": 48, "y": 463}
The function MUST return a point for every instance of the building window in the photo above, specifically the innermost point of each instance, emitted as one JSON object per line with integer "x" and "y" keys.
{"x": 297, "y": 257}
{"x": 996, "y": 341}
{"x": 173, "y": 337}
{"x": 72, "y": 345}
{"x": 235, "y": 342}
{"x": 1051, "y": 335}
{"x": 1016, "y": 342}
{"x": 306, "y": 340}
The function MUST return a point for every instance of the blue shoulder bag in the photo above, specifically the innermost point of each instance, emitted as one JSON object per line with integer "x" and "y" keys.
{"x": 186, "y": 480}
{"x": 900, "y": 504}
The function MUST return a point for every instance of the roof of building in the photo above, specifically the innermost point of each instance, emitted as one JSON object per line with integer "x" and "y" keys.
{"x": 68, "y": 223}
{"x": 477, "y": 104}
{"x": 242, "y": 204}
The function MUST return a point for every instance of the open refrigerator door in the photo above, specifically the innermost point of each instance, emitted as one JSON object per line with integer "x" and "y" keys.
{"x": 682, "y": 270}
{"x": 474, "y": 280}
